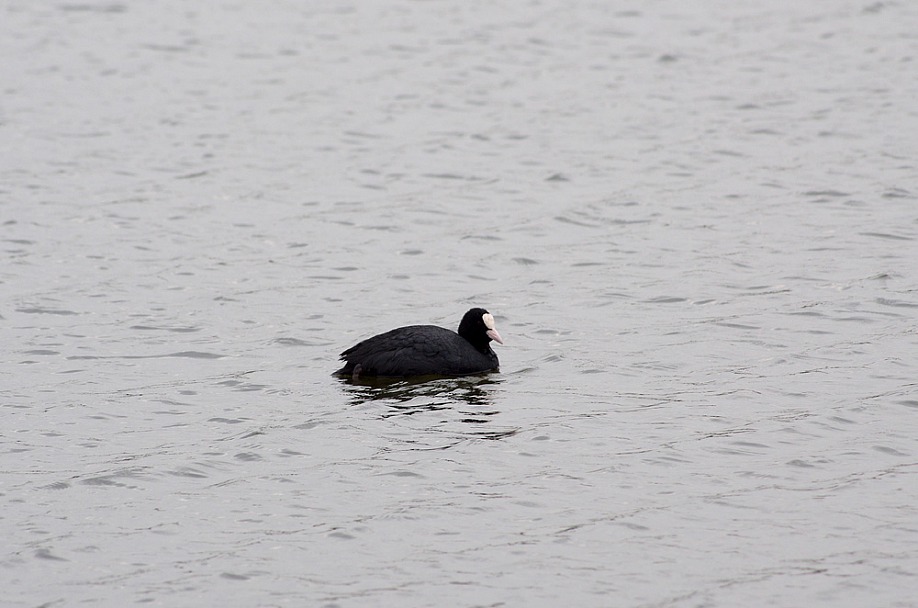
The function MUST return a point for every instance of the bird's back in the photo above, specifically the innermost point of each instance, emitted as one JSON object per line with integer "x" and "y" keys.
{"x": 416, "y": 350}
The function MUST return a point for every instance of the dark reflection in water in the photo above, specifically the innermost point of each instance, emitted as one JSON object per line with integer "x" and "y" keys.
{"x": 470, "y": 389}
{"x": 407, "y": 397}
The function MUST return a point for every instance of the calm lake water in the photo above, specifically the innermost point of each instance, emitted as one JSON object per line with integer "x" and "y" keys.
{"x": 695, "y": 223}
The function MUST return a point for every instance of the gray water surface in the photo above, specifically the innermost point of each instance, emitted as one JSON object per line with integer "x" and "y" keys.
{"x": 695, "y": 223}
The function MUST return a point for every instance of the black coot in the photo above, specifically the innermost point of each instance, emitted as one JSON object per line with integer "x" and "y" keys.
{"x": 422, "y": 350}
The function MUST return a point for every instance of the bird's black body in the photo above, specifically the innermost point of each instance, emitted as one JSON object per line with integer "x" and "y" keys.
{"x": 422, "y": 350}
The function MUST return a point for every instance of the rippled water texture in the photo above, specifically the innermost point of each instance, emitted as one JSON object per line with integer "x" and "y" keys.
{"x": 695, "y": 223}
